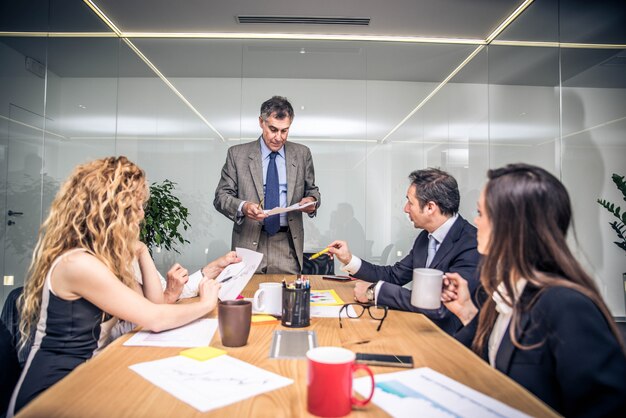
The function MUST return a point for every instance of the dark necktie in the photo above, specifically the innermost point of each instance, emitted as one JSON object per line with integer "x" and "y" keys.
{"x": 272, "y": 199}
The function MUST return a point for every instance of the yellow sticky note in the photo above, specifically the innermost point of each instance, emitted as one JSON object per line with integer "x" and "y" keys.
{"x": 202, "y": 353}
{"x": 260, "y": 318}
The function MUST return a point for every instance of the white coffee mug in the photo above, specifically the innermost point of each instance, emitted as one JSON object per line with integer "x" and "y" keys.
{"x": 269, "y": 298}
{"x": 426, "y": 292}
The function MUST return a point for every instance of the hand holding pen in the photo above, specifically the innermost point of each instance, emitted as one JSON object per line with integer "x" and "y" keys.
{"x": 340, "y": 250}
{"x": 254, "y": 210}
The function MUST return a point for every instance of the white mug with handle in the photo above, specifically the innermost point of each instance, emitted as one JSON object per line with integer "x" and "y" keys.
{"x": 269, "y": 298}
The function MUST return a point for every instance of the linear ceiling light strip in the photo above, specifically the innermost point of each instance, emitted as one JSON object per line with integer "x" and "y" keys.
{"x": 435, "y": 91}
{"x": 149, "y": 63}
{"x": 309, "y": 37}
{"x": 303, "y": 37}
{"x": 104, "y": 17}
{"x": 508, "y": 20}
{"x": 171, "y": 86}
{"x": 544, "y": 44}
{"x": 490, "y": 38}
{"x": 58, "y": 34}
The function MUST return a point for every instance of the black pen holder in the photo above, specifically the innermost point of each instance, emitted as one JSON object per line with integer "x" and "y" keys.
{"x": 296, "y": 307}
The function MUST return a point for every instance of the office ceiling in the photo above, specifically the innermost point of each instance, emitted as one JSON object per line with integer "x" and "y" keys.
{"x": 602, "y": 21}
{"x": 599, "y": 22}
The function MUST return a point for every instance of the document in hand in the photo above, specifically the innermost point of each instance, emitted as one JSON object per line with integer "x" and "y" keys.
{"x": 291, "y": 208}
{"x": 236, "y": 276}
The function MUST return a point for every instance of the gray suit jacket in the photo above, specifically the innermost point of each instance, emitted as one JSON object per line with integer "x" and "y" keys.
{"x": 242, "y": 179}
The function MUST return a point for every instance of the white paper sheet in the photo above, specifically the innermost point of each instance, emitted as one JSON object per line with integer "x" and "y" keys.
{"x": 241, "y": 273}
{"x": 195, "y": 334}
{"x": 330, "y": 311}
{"x": 400, "y": 394}
{"x": 293, "y": 207}
{"x": 210, "y": 384}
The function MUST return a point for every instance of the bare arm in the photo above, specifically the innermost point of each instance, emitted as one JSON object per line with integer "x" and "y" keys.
{"x": 83, "y": 275}
{"x": 152, "y": 288}
{"x": 215, "y": 267}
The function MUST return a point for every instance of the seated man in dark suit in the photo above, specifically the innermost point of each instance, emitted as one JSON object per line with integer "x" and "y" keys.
{"x": 447, "y": 243}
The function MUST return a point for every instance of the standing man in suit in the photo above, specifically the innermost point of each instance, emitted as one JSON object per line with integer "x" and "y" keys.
{"x": 447, "y": 243}
{"x": 265, "y": 174}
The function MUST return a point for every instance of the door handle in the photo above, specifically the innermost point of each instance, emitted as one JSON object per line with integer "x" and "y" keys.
{"x": 12, "y": 213}
{"x": 10, "y": 222}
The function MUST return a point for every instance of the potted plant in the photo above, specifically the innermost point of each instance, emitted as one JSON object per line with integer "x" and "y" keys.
{"x": 164, "y": 215}
{"x": 618, "y": 225}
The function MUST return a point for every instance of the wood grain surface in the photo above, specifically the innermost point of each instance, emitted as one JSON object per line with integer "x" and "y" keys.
{"x": 106, "y": 387}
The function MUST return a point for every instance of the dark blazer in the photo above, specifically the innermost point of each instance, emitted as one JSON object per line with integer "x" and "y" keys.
{"x": 579, "y": 369}
{"x": 457, "y": 253}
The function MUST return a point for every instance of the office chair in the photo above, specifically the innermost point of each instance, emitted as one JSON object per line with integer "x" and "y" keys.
{"x": 11, "y": 368}
{"x": 321, "y": 265}
{"x": 384, "y": 256}
{"x": 11, "y": 318}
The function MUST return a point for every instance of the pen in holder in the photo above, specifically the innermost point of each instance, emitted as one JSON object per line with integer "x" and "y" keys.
{"x": 296, "y": 307}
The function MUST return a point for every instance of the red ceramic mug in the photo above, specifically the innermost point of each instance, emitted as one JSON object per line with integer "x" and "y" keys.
{"x": 329, "y": 383}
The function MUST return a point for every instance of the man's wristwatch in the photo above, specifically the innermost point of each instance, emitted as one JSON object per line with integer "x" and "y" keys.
{"x": 369, "y": 293}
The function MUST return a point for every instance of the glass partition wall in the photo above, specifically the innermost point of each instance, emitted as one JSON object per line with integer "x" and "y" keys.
{"x": 371, "y": 112}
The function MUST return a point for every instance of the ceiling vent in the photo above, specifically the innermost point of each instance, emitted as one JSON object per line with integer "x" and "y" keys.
{"x": 304, "y": 20}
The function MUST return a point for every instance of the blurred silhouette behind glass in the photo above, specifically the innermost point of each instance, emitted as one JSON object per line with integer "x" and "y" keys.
{"x": 321, "y": 265}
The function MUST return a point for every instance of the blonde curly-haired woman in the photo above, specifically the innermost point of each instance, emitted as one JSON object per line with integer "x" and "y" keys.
{"x": 81, "y": 275}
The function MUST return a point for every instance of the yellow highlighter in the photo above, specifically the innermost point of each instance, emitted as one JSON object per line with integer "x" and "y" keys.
{"x": 324, "y": 251}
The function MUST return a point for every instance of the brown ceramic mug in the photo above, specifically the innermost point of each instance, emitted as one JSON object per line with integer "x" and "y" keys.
{"x": 234, "y": 317}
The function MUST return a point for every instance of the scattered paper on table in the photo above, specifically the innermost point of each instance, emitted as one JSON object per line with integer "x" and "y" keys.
{"x": 195, "y": 334}
{"x": 240, "y": 273}
{"x": 209, "y": 384}
{"x": 325, "y": 311}
{"x": 277, "y": 210}
{"x": 325, "y": 297}
{"x": 400, "y": 394}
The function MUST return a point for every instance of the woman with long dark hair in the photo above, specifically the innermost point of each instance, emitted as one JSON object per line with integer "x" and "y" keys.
{"x": 542, "y": 321}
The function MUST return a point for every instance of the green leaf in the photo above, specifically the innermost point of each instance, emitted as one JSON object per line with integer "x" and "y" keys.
{"x": 164, "y": 214}
{"x": 618, "y": 227}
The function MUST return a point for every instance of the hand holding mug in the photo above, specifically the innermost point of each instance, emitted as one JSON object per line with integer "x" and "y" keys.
{"x": 459, "y": 301}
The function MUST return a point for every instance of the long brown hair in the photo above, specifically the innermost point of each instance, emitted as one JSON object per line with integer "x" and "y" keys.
{"x": 530, "y": 214}
{"x": 98, "y": 208}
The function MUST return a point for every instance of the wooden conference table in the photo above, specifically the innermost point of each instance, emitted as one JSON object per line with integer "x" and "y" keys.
{"x": 106, "y": 387}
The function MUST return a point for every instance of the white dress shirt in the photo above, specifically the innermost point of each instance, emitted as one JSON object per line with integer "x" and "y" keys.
{"x": 440, "y": 233}
{"x": 505, "y": 312}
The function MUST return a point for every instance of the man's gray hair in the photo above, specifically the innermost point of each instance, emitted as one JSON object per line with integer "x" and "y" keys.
{"x": 278, "y": 106}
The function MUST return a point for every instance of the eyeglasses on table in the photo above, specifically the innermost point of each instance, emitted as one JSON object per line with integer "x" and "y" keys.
{"x": 376, "y": 312}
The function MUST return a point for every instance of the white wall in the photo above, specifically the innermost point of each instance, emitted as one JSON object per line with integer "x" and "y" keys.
{"x": 465, "y": 129}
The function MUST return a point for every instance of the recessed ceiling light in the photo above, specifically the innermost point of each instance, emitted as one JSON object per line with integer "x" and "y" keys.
{"x": 301, "y": 107}
{"x": 302, "y": 51}
{"x": 82, "y": 106}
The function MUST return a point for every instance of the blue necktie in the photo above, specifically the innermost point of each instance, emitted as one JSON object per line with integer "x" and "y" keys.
{"x": 432, "y": 250}
{"x": 272, "y": 199}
